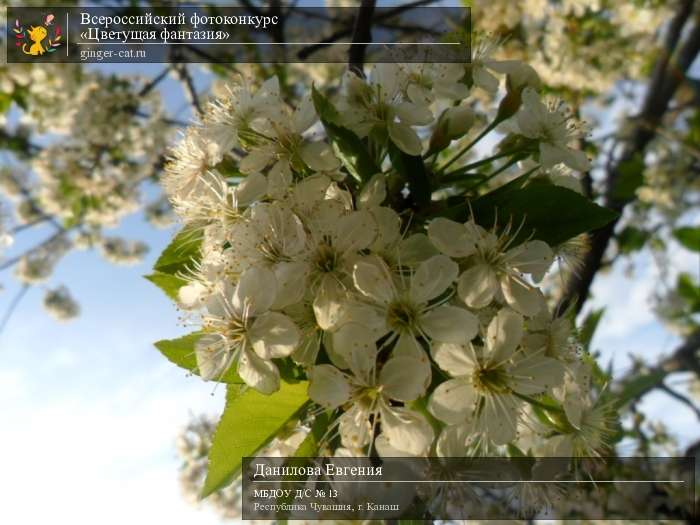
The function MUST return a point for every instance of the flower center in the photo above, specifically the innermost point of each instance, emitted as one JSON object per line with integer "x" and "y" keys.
{"x": 235, "y": 330}
{"x": 326, "y": 259}
{"x": 491, "y": 380}
{"x": 272, "y": 250}
{"x": 402, "y": 315}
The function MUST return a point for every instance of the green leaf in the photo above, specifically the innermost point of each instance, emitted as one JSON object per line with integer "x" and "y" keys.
{"x": 170, "y": 284}
{"x": 689, "y": 237}
{"x": 632, "y": 239}
{"x": 309, "y": 447}
{"x": 182, "y": 251}
{"x": 181, "y": 352}
{"x": 5, "y": 102}
{"x": 639, "y": 386}
{"x": 540, "y": 209}
{"x": 348, "y": 147}
{"x": 412, "y": 170}
{"x": 249, "y": 422}
{"x": 630, "y": 177}
{"x": 588, "y": 328}
{"x": 689, "y": 291}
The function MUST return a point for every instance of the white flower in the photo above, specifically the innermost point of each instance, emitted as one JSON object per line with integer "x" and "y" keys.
{"x": 240, "y": 328}
{"x": 412, "y": 310}
{"x": 240, "y": 108}
{"x": 379, "y": 104}
{"x": 335, "y": 238}
{"x": 492, "y": 267}
{"x": 428, "y": 81}
{"x": 590, "y": 424}
{"x": 279, "y": 141}
{"x": 367, "y": 395}
{"x": 60, "y": 304}
{"x": 487, "y": 380}
{"x": 554, "y": 129}
{"x": 273, "y": 237}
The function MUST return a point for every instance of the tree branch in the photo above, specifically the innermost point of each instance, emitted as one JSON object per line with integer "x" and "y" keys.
{"x": 347, "y": 31}
{"x": 361, "y": 35}
{"x": 667, "y": 77}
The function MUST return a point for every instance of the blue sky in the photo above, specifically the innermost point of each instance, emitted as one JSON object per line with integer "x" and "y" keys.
{"x": 90, "y": 410}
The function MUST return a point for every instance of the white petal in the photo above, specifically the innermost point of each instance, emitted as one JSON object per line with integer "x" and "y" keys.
{"x": 551, "y": 155}
{"x": 373, "y": 192}
{"x": 213, "y": 356}
{"x": 536, "y": 374}
{"x": 453, "y": 401}
{"x": 477, "y": 286}
{"x": 373, "y": 279}
{"x": 533, "y": 257}
{"x": 328, "y": 306}
{"x": 319, "y": 156}
{"x": 357, "y": 347}
{"x": 304, "y": 115}
{"x": 450, "y": 324}
{"x": 484, "y": 79}
{"x": 457, "y": 360}
{"x": 577, "y": 160}
{"x": 500, "y": 418}
{"x": 191, "y": 294}
{"x": 291, "y": 283}
{"x": 415, "y": 249}
{"x": 260, "y": 374}
{"x": 279, "y": 179}
{"x": 328, "y": 386}
{"x": 355, "y": 428}
{"x": 355, "y": 231}
{"x": 413, "y": 114}
{"x": 388, "y": 227}
{"x": 503, "y": 335}
{"x": 406, "y": 430}
{"x": 403, "y": 378}
{"x": 255, "y": 161}
{"x": 274, "y": 335}
{"x": 452, "y": 442}
{"x": 385, "y": 450}
{"x": 255, "y": 291}
{"x": 251, "y": 189}
{"x": 432, "y": 278}
{"x": 451, "y": 237}
{"x": 405, "y": 138}
{"x": 408, "y": 346}
{"x": 528, "y": 300}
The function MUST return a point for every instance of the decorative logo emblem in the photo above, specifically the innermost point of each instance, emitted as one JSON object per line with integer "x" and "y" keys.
{"x": 37, "y": 40}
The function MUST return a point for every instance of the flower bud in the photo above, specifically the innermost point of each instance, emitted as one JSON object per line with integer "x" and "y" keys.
{"x": 458, "y": 120}
{"x": 454, "y": 122}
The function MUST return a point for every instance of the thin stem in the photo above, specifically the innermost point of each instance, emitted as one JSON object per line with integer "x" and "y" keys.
{"x": 481, "y": 162}
{"x": 466, "y": 148}
{"x": 500, "y": 170}
{"x": 13, "y": 306}
{"x": 544, "y": 406}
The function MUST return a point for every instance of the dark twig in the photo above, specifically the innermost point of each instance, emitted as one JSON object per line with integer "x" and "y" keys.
{"x": 680, "y": 397}
{"x": 145, "y": 90}
{"x": 13, "y": 306}
{"x": 347, "y": 31}
{"x": 188, "y": 83}
{"x": 361, "y": 35}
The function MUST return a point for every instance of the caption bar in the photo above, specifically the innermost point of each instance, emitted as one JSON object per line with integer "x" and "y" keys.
{"x": 468, "y": 488}
{"x": 216, "y": 34}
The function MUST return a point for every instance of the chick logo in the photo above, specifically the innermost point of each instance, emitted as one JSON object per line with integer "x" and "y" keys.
{"x": 31, "y": 41}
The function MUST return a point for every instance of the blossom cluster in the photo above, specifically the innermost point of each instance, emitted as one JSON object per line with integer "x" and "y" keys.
{"x": 420, "y": 336}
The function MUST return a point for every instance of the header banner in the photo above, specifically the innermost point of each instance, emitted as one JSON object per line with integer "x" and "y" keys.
{"x": 216, "y": 34}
